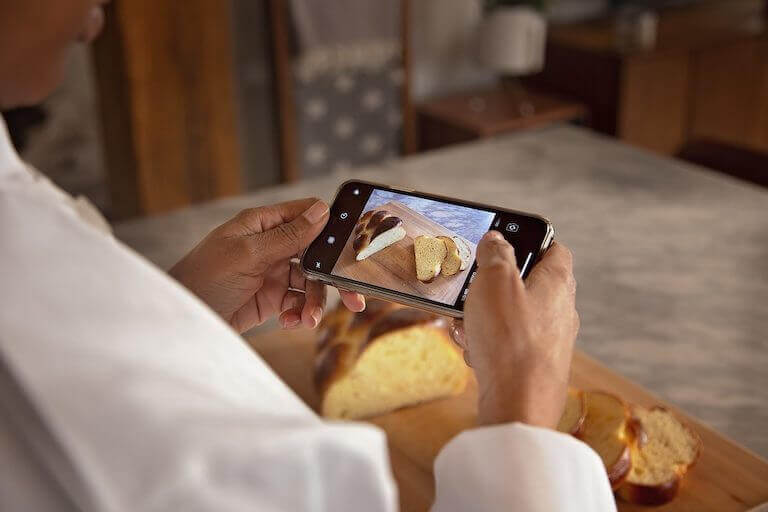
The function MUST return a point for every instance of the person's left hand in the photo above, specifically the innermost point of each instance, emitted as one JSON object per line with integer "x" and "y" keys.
{"x": 243, "y": 268}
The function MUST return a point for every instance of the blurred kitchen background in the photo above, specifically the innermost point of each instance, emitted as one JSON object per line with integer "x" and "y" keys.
{"x": 186, "y": 102}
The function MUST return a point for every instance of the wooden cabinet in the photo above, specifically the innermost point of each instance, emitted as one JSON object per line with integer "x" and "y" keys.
{"x": 705, "y": 78}
{"x": 475, "y": 115}
{"x": 729, "y": 97}
{"x": 166, "y": 88}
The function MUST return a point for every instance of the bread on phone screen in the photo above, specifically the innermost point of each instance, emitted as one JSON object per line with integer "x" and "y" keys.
{"x": 663, "y": 450}
{"x": 384, "y": 358}
{"x": 430, "y": 252}
{"x": 457, "y": 255}
{"x": 376, "y": 230}
{"x": 605, "y": 431}
{"x": 465, "y": 251}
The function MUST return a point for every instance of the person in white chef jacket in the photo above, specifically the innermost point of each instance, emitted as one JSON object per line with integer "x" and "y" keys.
{"x": 125, "y": 389}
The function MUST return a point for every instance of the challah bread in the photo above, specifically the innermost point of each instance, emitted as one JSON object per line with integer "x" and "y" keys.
{"x": 376, "y": 230}
{"x": 385, "y": 358}
{"x": 454, "y": 256}
{"x": 430, "y": 252}
{"x": 605, "y": 430}
{"x": 465, "y": 251}
{"x": 663, "y": 451}
{"x": 572, "y": 420}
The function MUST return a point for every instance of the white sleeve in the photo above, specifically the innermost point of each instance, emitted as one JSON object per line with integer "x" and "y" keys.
{"x": 135, "y": 396}
{"x": 531, "y": 469}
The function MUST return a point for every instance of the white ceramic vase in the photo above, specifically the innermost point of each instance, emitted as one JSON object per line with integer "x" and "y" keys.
{"x": 512, "y": 40}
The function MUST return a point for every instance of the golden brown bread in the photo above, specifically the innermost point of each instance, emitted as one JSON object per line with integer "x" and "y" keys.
{"x": 646, "y": 452}
{"x": 663, "y": 451}
{"x": 572, "y": 420}
{"x": 384, "y": 358}
{"x": 605, "y": 431}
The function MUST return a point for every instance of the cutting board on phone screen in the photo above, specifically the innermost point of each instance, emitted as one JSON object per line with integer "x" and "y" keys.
{"x": 395, "y": 267}
{"x": 726, "y": 478}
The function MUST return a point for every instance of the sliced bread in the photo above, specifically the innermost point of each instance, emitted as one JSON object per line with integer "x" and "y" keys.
{"x": 429, "y": 251}
{"x": 452, "y": 262}
{"x": 572, "y": 420}
{"x": 605, "y": 431}
{"x": 465, "y": 252}
{"x": 457, "y": 255}
{"x": 664, "y": 450}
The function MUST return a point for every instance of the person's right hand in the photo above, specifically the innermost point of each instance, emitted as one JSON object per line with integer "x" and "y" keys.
{"x": 519, "y": 336}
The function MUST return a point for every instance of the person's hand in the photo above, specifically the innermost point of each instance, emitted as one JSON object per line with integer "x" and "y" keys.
{"x": 244, "y": 270}
{"x": 518, "y": 336}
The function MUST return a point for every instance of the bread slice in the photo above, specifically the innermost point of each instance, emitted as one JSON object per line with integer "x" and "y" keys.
{"x": 605, "y": 431}
{"x": 664, "y": 450}
{"x": 452, "y": 262}
{"x": 465, "y": 251}
{"x": 572, "y": 420}
{"x": 404, "y": 357}
{"x": 429, "y": 251}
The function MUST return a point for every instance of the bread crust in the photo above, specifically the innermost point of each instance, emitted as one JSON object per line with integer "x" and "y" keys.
{"x": 576, "y": 427}
{"x": 650, "y": 495}
{"x": 618, "y": 470}
{"x": 371, "y": 225}
{"x": 401, "y": 319}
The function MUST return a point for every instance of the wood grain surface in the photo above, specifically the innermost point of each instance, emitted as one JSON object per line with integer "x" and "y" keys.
{"x": 395, "y": 267}
{"x": 726, "y": 477}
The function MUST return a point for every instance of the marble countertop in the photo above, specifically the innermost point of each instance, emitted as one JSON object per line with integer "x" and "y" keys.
{"x": 671, "y": 259}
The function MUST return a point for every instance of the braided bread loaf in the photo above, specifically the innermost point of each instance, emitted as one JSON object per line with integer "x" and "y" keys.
{"x": 376, "y": 230}
{"x": 384, "y": 358}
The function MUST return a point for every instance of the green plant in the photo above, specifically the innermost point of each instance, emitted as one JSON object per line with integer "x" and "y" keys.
{"x": 536, "y": 4}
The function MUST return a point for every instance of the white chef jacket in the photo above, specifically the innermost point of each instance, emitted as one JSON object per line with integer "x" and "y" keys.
{"x": 121, "y": 391}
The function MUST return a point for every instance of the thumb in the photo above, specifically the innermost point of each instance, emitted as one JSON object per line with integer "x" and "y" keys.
{"x": 496, "y": 270}
{"x": 289, "y": 239}
{"x": 494, "y": 251}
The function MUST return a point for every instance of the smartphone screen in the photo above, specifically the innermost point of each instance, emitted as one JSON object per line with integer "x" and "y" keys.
{"x": 370, "y": 244}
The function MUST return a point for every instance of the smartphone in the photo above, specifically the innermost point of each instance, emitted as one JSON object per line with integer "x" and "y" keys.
{"x": 387, "y": 242}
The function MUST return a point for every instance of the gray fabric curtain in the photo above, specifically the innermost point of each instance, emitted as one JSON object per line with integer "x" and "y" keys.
{"x": 348, "y": 80}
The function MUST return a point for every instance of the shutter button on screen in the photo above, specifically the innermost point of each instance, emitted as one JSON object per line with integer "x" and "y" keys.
{"x": 512, "y": 227}
{"x": 343, "y": 215}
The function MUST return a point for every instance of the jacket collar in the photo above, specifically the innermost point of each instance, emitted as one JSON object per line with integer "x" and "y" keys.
{"x": 10, "y": 163}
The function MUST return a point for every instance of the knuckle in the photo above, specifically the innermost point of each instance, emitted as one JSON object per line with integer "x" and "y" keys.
{"x": 498, "y": 266}
{"x": 558, "y": 273}
{"x": 247, "y": 214}
{"x": 289, "y": 234}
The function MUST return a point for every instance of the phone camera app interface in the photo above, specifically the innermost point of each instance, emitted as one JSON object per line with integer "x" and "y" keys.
{"x": 413, "y": 245}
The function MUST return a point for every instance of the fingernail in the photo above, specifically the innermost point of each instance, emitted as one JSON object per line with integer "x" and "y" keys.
{"x": 493, "y": 235}
{"x": 289, "y": 323}
{"x": 316, "y": 212}
{"x": 317, "y": 315}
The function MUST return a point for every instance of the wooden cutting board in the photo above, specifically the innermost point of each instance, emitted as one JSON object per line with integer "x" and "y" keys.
{"x": 726, "y": 478}
{"x": 395, "y": 266}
